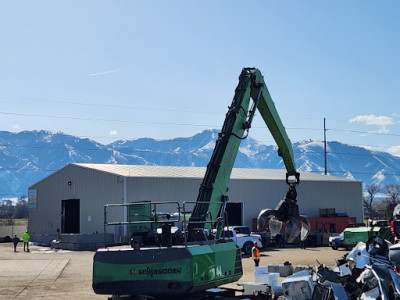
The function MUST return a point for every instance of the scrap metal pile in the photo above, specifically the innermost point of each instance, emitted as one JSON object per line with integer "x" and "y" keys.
{"x": 369, "y": 271}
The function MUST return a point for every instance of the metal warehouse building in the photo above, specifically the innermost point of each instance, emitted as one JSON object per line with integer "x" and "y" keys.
{"x": 70, "y": 202}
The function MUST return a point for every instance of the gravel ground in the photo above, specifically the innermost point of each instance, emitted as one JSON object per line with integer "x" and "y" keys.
{"x": 44, "y": 273}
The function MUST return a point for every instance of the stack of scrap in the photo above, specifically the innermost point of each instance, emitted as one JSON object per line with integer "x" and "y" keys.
{"x": 369, "y": 271}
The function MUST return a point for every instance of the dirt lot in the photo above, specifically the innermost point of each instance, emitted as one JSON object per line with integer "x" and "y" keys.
{"x": 44, "y": 273}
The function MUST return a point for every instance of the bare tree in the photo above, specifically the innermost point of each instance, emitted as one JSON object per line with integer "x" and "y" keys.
{"x": 381, "y": 210}
{"x": 21, "y": 209}
{"x": 392, "y": 194}
{"x": 392, "y": 197}
{"x": 7, "y": 211}
{"x": 369, "y": 208}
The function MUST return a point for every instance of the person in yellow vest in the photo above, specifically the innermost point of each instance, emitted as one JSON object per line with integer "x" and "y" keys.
{"x": 25, "y": 239}
{"x": 255, "y": 254}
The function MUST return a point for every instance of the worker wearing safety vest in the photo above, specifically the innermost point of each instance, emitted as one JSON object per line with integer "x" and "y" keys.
{"x": 255, "y": 254}
{"x": 25, "y": 239}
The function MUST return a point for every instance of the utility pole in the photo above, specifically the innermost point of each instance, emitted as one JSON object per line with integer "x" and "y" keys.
{"x": 326, "y": 169}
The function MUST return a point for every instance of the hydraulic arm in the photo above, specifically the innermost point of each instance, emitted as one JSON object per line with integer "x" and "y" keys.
{"x": 212, "y": 197}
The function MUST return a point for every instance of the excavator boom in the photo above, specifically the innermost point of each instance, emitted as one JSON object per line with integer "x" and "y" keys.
{"x": 268, "y": 112}
{"x": 212, "y": 193}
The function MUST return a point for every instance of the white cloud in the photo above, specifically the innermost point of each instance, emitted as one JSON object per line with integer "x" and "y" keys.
{"x": 394, "y": 150}
{"x": 382, "y": 130}
{"x": 372, "y": 120}
{"x": 16, "y": 126}
{"x": 113, "y": 132}
{"x": 396, "y": 117}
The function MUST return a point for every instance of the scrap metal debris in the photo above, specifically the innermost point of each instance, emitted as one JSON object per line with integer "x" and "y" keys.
{"x": 369, "y": 271}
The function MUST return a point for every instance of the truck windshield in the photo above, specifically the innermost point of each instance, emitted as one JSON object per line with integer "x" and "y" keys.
{"x": 243, "y": 230}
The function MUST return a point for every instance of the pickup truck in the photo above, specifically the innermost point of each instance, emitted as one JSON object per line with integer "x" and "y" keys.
{"x": 265, "y": 236}
{"x": 241, "y": 235}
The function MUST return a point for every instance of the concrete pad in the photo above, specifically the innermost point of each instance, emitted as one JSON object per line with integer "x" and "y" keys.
{"x": 17, "y": 277}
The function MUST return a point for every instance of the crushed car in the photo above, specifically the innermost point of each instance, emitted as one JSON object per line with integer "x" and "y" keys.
{"x": 369, "y": 271}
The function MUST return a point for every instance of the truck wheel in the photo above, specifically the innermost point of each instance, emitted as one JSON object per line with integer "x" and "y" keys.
{"x": 247, "y": 248}
{"x": 335, "y": 247}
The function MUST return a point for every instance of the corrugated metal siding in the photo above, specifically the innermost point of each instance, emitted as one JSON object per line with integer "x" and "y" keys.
{"x": 96, "y": 190}
{"x": 256, "y": 195}
{"x": 93, "y": 188}
{"x": 343, "y": 196}
{"x": 312, "y": 195}
{"x": 163, "y": 190}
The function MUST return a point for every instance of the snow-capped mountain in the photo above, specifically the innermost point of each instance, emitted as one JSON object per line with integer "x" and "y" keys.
{"x": 30, "y": 156}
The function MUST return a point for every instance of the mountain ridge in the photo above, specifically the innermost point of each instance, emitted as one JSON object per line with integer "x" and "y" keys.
{"x": 29, "y": 156}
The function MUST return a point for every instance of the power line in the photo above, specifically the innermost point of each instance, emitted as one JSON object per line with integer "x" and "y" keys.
{"x": 353, "y": 172}
{"x": 109, "y": 105}
{"x": 363, "y": 173}
{"x": 92, "y": 104}
{"x": 25, "y": 169}
{"x": 182, "y": 124}
{"x": 134, "y": 122}
{"x": 365, "y": 132}
{"x": 101, "y": 120}
{"x": 360, "y": 154}
{"x": 79, "y": 103}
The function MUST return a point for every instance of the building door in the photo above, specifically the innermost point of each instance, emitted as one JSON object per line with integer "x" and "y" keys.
{"x": 70, "y": 215}
{"x": 235, "y": 213}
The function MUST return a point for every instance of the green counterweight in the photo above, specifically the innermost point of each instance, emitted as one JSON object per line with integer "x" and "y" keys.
{"x": 162, "y": 271}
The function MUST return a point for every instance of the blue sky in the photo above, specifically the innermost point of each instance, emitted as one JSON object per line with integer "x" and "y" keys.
{"x": 111, "y": 70}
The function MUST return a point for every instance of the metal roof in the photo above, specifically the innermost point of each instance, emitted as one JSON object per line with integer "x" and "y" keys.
{"x": 198, "y": 172}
